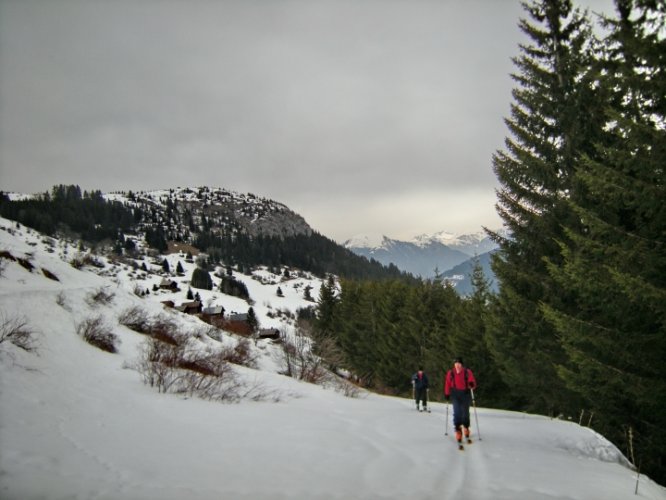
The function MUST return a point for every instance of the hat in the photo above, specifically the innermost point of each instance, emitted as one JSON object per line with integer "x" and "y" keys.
{"x": 458, "y": 359}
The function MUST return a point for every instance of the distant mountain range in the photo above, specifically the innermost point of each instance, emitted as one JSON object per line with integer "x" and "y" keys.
{"x": 448, "y": 255}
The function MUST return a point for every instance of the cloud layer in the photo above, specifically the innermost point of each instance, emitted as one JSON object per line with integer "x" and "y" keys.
{"x": 364, "y": 116}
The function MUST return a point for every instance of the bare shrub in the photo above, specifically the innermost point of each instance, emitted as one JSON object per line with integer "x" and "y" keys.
{"x": 300, "y": 362}
{"x": 210, "y": 387}
{"x": 101, "y": 296}
{"x": 171, "y": 368}
{"x": 157, "y": 364}
{"x": 61, "y": 299}
{"x": 97, "y": 333}
{"x": 165, "y": 329}
{"x": 347, "y": 388}
{"x": 240, "y": 354}
{"x": 49, "y": 274}
{"x": 5, "y": 254}
{"x": 76, "y": 262}
{"x": 135, "y": 318}
{"x": 15, "y": 330}
{"x": 258, "y": 392}
{"x": 212, "y": 331}
{"x": 25, "y": 263}
{"x": 82, "y": 260}
{"x": 207, "y": 331}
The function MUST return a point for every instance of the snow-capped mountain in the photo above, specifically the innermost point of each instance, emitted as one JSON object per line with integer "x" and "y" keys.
{"x": 425, "y": 255}
{"x": 471, "y": 244}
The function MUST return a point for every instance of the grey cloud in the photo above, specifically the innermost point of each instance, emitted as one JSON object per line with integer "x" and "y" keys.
{"x": 297, "y": 100}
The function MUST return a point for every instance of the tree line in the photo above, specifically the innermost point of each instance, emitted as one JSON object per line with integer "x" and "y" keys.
{"x": 312, "y": 252}
{"x": 578, "y": 323}
{"x": 67, "y": 210}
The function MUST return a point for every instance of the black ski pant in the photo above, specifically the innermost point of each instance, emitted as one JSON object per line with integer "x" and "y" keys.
{"x": 461, "y": 401}
{"x": 421, "y": 395}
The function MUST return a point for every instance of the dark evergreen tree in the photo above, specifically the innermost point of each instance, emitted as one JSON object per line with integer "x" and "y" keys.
{"x": 536, "y": 172}
{"x": 614, "y": 327}
{"x": 201, "y": 279}
{"x": 326, "y": 305}
{"x": 236, "y": 288}
{"x": 252, "y": 320}
{"x": 155, "y": 238}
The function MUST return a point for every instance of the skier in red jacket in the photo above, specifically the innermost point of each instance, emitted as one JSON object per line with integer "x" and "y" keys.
{"x": 458, "y": 384}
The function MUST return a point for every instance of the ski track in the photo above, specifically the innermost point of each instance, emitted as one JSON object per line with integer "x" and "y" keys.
{"x": 462, "y": 474}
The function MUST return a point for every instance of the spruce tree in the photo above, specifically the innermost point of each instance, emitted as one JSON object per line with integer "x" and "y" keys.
{"x": 614, "y": 329}
{"x": 201, "y": 279}
{"x": 326, "y": 305}
{"x": 536, "y": 174}
{"x": 252, "y": 320}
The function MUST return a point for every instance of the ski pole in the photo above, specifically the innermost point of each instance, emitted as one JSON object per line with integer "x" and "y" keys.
{"x": 446, "y": 423}
{"x": 476, "y": 417}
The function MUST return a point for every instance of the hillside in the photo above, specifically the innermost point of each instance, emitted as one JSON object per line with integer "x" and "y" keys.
{"x": 77, "y": 422}
{"x": 460, "y": 276}
{"x": 237, "y": 229}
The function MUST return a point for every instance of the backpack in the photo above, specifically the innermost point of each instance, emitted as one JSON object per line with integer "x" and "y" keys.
{"x": 453, "y": 378}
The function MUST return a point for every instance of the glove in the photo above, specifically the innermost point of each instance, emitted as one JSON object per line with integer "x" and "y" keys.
{"x": 446, "y": 396}
{"x": 471, "y": 385}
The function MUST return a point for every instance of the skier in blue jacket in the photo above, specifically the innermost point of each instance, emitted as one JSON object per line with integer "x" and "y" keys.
{"x": 420, "y": 386}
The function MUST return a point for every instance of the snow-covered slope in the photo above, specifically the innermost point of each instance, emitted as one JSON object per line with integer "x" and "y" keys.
{"x": 78, "y": 423}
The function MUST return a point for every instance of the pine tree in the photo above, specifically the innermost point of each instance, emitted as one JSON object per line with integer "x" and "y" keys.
{"x": 252, "y": 320}
{"x": 201, "y": 279}
{"x": 536, "y": 173}
{"x": 614, "y": 329}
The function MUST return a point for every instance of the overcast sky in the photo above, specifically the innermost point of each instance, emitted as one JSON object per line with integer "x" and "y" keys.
{"x": 363, "y": 116}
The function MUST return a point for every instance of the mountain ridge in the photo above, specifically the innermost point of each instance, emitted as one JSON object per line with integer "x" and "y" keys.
{"x": 426, "y": 255}
{"x": 235, "y": 228}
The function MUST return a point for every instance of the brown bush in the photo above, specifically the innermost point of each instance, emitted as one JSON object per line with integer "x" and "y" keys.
{"x": 166, "y": 330}
{"x": 135, "y": 318}
{"x": 16, "y": 331}
{"x": 97, "y": 333}
{"x": 49, "y": 274}
{"x": 101, "y": 296}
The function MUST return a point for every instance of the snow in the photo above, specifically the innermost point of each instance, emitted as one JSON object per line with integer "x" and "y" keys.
{"x": 371, "y": 241}
{"x": 78, "y": 423}
{"x": 443, "y": 237}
